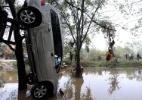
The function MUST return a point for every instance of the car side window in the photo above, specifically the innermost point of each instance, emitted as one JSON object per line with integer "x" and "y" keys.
{"x": 56, "y": 33}
{"x": 54, "y": 19}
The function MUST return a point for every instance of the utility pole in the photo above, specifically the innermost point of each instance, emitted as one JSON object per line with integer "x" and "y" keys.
{"x": 18, "y": 50}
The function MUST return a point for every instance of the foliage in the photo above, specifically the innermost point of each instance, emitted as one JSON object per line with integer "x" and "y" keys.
{"x": 14, "y": 63}
{"x": 77, "y": 18}
{"x": 129, "y": 63}
{"x": 120, "y": 51}
{"x": 1, "y": 68}
{"x": 131, "y": 10}
{"x": 103, "y": 63}
{"x": 135, "y": 45}
{"x": 93, "y": 63}
{"x": 3, "y": 47}
{"x": 122, "y": 63}
{"x": 66, "y": 50}
{"x": 107, "y": 25}
{"x": 93, "y": 54}
{"x": 91, "y": 59}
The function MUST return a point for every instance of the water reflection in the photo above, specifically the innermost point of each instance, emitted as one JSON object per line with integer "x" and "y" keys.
{"x": 95, "y": 84}
{"x": 9, "y": 92}
{"x": 136, "y": 74}
{"x": 72, "y": 88}
{"x": 113, "y": 81}
{"x": 104, "y": 84}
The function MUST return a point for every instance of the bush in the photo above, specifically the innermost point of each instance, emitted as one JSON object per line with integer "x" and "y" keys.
{"x": 118, "y": 63}
{"x": 14, "y": 63}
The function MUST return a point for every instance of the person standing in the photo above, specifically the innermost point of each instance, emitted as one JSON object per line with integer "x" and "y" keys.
{"x": 138, "y": 56}
{"x": 126, "y": 56}
{"x": 71, "y": 56}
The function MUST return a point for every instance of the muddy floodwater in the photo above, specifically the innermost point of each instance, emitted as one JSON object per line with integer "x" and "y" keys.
{"x": 95, "y": 84}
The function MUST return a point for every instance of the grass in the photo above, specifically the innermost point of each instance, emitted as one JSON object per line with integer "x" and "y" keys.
{"x": 99, "y": 63}
{"x": 129, "y": 63}
{"x": 120, "y": 63}
{"x": 103, "y": 63}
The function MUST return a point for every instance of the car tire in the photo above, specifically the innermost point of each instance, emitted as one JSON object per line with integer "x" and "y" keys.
{"x": 29, "y": 17}
{"x": 39, "y": 91}
{"x": 30, "y": 78}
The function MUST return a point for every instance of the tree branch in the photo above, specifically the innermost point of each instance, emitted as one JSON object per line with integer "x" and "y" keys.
{"x": 10, "y": 47}
{"x": 90, "y": 22}
{"x": 7, "y": 42}
{"x": 66, "y": 22}
{"x": 86, "y": 13}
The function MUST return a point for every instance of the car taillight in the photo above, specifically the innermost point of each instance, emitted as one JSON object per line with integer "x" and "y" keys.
{"x": 42, "y": 2}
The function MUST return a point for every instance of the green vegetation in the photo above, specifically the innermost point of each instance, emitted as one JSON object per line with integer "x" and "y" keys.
{"x": 0, "y": 68}
{"x": 96, "y": 58}
{"x": 119, "y": 63}
{"x": 14, "y": 63}
{"x": 103, "y": 63}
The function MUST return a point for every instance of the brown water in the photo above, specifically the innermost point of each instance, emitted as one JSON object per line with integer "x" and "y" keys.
{"x": 96, "y": 84}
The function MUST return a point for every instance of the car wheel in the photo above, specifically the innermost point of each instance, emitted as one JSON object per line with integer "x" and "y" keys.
{"x": 30, "y": 78}
{"x": 30, "y": 17}
{"x": 39, "y": 91}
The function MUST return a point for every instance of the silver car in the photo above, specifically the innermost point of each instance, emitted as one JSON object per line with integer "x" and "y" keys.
{"x": 44, "y": 46}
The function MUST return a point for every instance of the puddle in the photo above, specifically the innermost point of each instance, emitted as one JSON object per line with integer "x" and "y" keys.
{"x": 96, "y": 84}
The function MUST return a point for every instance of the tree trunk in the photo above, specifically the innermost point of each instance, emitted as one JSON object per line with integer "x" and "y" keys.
{"x": 18, "y": 51}
{"x": 78, "y": 67}
{"x": 78, "y": 44}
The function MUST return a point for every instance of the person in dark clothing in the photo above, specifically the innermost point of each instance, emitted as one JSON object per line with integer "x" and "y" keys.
{"x": 126, "y": 56}
{"x": 71, "y": 56}
{"x": 138, "y": 56}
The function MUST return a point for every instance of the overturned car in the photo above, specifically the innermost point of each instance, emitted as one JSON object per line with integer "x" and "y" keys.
{"x": 44, "y": 46}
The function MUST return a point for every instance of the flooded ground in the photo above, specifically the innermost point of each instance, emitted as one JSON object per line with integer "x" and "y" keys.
{"x": 96, "y": 84}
